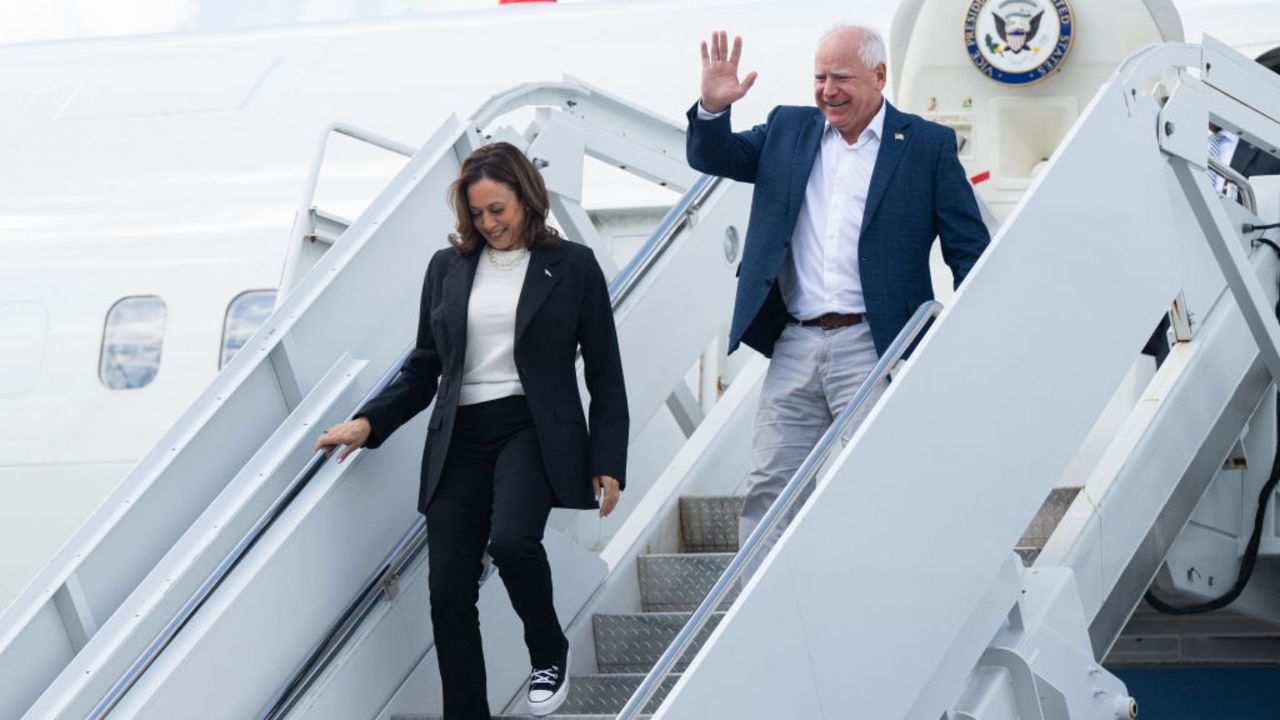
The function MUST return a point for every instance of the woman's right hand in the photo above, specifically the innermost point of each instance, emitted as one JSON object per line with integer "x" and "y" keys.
{"x": 353, "y": 434}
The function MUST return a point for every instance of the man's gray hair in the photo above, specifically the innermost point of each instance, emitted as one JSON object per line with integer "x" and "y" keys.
{"x": 870, "y": 44}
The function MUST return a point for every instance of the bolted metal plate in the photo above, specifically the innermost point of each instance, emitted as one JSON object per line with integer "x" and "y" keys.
{"x": 709, "y": 523}
{"x": 633, "y": 642}
{"x": 678, "y": 583}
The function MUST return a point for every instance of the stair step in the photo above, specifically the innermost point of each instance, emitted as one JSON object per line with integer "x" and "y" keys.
{"x": 709, "y": 523}
{"x": 1047, "y": 518}
{"x": 633, "y": 642}
{"x": 678, "y": 583}
{"x": 592, "y": 696}
{"x": 607, "y": 693}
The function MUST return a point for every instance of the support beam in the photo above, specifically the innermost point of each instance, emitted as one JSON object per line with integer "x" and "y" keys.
{"x": 1225, "y": 241}
{"x": 77, "y": 615}
{"x": 685, "y": 408}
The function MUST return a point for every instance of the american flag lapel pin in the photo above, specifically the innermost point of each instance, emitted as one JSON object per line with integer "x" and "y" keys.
{"x": 899, "y": 136}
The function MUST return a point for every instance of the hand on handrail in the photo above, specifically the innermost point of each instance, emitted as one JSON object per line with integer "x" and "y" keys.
{"x": 605, "y": 489}
{"x": 352, "y": 434}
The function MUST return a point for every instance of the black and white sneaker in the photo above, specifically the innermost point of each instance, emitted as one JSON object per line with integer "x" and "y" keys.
{"x": 548, "y": 687}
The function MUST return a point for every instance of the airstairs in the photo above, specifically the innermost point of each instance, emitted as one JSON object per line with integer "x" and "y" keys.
{"x": 237, "y": 574}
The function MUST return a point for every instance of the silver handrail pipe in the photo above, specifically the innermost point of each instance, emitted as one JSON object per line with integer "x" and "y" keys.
{"x": 1247, "y": 197}
{"x": 355, "y": 133}
{"x": 384, "y": 583}
{"x": 676, "y": 220}
{"x": 410, "y": 547}
{"x": 222, "y": 572}
{"x": 754, "y": 544}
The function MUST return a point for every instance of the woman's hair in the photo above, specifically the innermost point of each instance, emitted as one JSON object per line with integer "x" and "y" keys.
{"x": 504, "y": 163}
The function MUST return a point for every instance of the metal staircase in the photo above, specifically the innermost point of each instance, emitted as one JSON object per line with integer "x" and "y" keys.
{"x": 672, "y": 585}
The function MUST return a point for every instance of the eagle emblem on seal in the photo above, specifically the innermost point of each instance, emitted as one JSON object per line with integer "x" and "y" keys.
{"x": 1017, "y": 42}
{"x": 1017, "y": 28}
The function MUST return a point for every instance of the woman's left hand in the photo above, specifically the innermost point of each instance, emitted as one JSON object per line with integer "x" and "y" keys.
{"x": 608, "y": 499}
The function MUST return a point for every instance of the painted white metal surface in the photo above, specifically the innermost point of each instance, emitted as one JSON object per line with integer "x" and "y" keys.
{"x": 125, "y": 633}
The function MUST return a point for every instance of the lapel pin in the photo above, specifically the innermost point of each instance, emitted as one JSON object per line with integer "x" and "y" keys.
{"x": 899, "y": 136}
{"x": 546, "y": 272}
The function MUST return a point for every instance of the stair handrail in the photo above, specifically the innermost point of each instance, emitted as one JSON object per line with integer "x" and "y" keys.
{"x": 1247, "y": 197}
{"x": 384, "y": 582}
{"x": 224, "y": 568}
{"x": 754, "y": 544}
{"x": 400, "y": 560}
{"x": 355, "y": 133}
{"x": 681, "y": 216}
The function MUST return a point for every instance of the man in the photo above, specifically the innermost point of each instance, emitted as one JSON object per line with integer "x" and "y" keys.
{"x": 1248, "y": 159}
{"x": 848, "y": 199}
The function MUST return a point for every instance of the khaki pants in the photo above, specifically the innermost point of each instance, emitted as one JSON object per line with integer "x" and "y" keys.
{"x": 812, "y": 376}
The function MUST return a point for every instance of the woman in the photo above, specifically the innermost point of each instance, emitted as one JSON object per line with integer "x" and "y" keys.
{"x": 504, "y": 312}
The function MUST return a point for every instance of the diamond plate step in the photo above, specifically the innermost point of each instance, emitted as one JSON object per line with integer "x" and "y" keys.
{"x": 1028, "y": 555}
{"x": 633, "y": 642}
{"x": 709, "y": 523}
{"x": 1044, "y": 523}
{"x": 606, "y": 694}
{"x": 1047, "y": 518}
{"x": 677, "y": 583}
{"x": 593, "y": 695}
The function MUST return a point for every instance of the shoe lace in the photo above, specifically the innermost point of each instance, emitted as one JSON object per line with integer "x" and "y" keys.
{"x": 545, "y": 676}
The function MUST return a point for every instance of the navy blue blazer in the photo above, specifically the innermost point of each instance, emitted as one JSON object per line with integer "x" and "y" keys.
{"x": 563, "y": 305}
{"x": 918, "y": 192}
{"x": 1250, "y": 161}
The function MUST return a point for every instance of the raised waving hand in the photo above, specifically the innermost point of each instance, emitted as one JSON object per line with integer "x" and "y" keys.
{"x": 720, "y": 85}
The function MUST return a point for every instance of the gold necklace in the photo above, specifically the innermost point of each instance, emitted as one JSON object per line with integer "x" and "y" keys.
{"x": 504, "y": 267}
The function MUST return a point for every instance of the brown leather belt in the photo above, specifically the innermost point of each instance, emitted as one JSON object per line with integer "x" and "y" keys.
{"x": 831, "y": 321}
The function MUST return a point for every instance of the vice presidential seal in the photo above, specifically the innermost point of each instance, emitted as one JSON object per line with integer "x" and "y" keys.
{"x": 1018, "y": 41}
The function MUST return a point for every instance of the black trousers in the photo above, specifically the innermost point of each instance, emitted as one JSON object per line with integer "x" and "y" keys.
{"x": 493, "y": 491}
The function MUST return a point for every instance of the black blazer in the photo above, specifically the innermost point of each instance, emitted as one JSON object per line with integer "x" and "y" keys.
{"x": 563, "y": 305}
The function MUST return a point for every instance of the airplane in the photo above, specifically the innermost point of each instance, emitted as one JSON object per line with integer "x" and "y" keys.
{"x": 151, "y": 187}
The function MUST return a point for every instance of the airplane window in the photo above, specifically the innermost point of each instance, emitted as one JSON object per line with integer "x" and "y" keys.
{"x": 131, "y": 342}
{"x": 245, "y": 315}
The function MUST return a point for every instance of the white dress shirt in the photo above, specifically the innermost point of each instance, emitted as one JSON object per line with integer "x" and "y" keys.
{"x": 820, "y": 274}
{"x": 1222, "y": 146}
